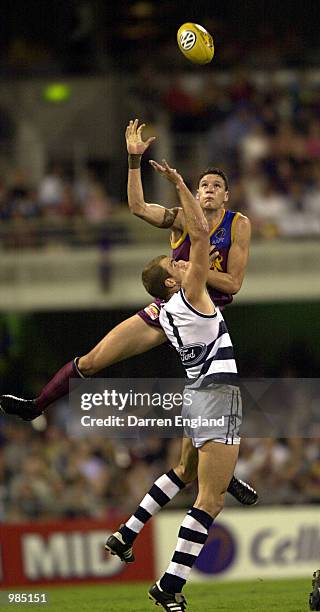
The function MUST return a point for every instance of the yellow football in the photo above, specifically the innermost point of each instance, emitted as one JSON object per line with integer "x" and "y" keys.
{"x": 195, "y": 43}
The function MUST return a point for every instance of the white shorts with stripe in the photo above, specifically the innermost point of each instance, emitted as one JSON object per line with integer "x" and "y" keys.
{"x": 213, "y": 413}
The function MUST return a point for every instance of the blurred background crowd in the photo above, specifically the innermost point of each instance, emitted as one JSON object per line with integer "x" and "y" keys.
{"x": 265, "y": 135}
{"x": 50, "y": 475}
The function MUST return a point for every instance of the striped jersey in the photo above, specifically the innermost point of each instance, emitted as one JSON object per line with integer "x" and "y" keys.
{"x": 221, "y": 236}
{"x": 202, "y": 341}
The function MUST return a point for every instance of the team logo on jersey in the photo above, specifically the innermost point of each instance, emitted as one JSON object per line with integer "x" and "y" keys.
{"x": 217, "y": 264}
{"x": 152, "y": 311}
{"x": 191, "y": 354}
{"x": 219, "y": 236}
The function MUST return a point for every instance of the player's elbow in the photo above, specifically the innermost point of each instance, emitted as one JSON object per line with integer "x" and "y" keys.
{"x": 135, "y": 207}
{"x": 236, "y": 285}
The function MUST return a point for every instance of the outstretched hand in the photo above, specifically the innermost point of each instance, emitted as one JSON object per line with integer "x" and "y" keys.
{"x": 135, "y": 144}
{"x": 169, "y": 173}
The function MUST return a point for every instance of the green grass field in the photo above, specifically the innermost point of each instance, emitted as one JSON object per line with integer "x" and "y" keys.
{"x": 251, "y": 596}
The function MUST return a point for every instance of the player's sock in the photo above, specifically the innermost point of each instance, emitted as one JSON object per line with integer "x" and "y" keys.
{"x": 58, "y": 386}
{"x": 191, "y": 539}
{"x": 161, "y": 492}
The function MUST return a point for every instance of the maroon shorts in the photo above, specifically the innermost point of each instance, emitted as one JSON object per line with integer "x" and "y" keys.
{"x": 150, "y": 314}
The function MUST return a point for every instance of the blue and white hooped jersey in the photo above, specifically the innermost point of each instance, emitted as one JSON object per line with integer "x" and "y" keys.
{"x": 202, "y": 341}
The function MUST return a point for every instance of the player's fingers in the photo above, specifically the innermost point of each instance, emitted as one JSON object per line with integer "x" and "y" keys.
{"x": 135, "y": 124}
{"x": 150, "y": 140}
{"x": 213, "y": 254}
{"x": 140, "y": 128}
{"x": 130, "y": 128}
{"x": 156, "y": 166}
{"x": 167, "y": 167}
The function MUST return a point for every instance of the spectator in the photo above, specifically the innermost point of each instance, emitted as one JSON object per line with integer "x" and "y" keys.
{"x": 51, "y": 190}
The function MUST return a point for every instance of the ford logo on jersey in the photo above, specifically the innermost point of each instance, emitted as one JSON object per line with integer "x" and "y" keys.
{"x": 191, "y": 354}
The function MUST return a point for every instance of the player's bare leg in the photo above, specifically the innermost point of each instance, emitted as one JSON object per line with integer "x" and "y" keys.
{"x": 186, "y": 470}
{"x": 167, "y": 486}
{"x": 162, "y": 491}
{"x": 131, "y": 337}
{"x": 187, "y": 467}
{"x": 215, "y": 468}
{"x": 128, "y": 339}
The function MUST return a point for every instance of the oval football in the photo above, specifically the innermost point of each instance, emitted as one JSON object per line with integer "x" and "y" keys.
{"x": 195, "y": 43}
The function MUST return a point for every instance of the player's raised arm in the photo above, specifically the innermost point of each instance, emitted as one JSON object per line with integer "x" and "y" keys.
{"x": 194, "y": 282}
{"x": 154, "y": 214}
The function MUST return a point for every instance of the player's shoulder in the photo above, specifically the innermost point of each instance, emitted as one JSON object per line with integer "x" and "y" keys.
{"x": 241, "y": 227}
{"x": 241, "y": 220}
{"x": 170, "y": 305}
{"x": 239, "y": 216}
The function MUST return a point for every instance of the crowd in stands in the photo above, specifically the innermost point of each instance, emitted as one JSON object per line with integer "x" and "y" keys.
{"x": 264, "y": 132}
{"x": 47, "y": 474}
{"x": 56, "y": 197}
{"x": 266, "y": 135}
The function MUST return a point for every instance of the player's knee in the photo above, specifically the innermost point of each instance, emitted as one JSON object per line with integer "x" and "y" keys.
{"x": 186, "y": 472}
{"x": 87, "y": 365}
{"x": 210, "y": 503}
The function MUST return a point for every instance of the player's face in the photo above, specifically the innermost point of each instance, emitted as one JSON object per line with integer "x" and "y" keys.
{"x": 211, "y": 192}
{"x": 175, "y": 269}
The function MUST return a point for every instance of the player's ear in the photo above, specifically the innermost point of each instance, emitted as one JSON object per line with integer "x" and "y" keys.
{"x": 197, "y": 195}
{"x": 226, "y": 196}
{"x": 170, "y": 282}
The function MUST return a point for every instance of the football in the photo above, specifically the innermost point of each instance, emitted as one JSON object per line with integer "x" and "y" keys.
{"x": 195, "y": 43}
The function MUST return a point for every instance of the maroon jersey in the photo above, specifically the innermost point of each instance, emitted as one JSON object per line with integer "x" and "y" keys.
{"x": 221, "y": 236}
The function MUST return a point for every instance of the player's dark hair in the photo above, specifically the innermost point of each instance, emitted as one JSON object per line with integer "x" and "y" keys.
{"x": 154, "y": 276}
{"x": 219, "y": 173}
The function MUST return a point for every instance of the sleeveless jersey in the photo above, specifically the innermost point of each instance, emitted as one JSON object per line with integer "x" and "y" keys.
{"x": 202, "y": 341}
{"x": 221, "y": 236}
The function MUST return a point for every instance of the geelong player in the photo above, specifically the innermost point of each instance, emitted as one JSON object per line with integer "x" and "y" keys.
{"x": 229, "y": 233}
{"x": 196, "y": 329}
